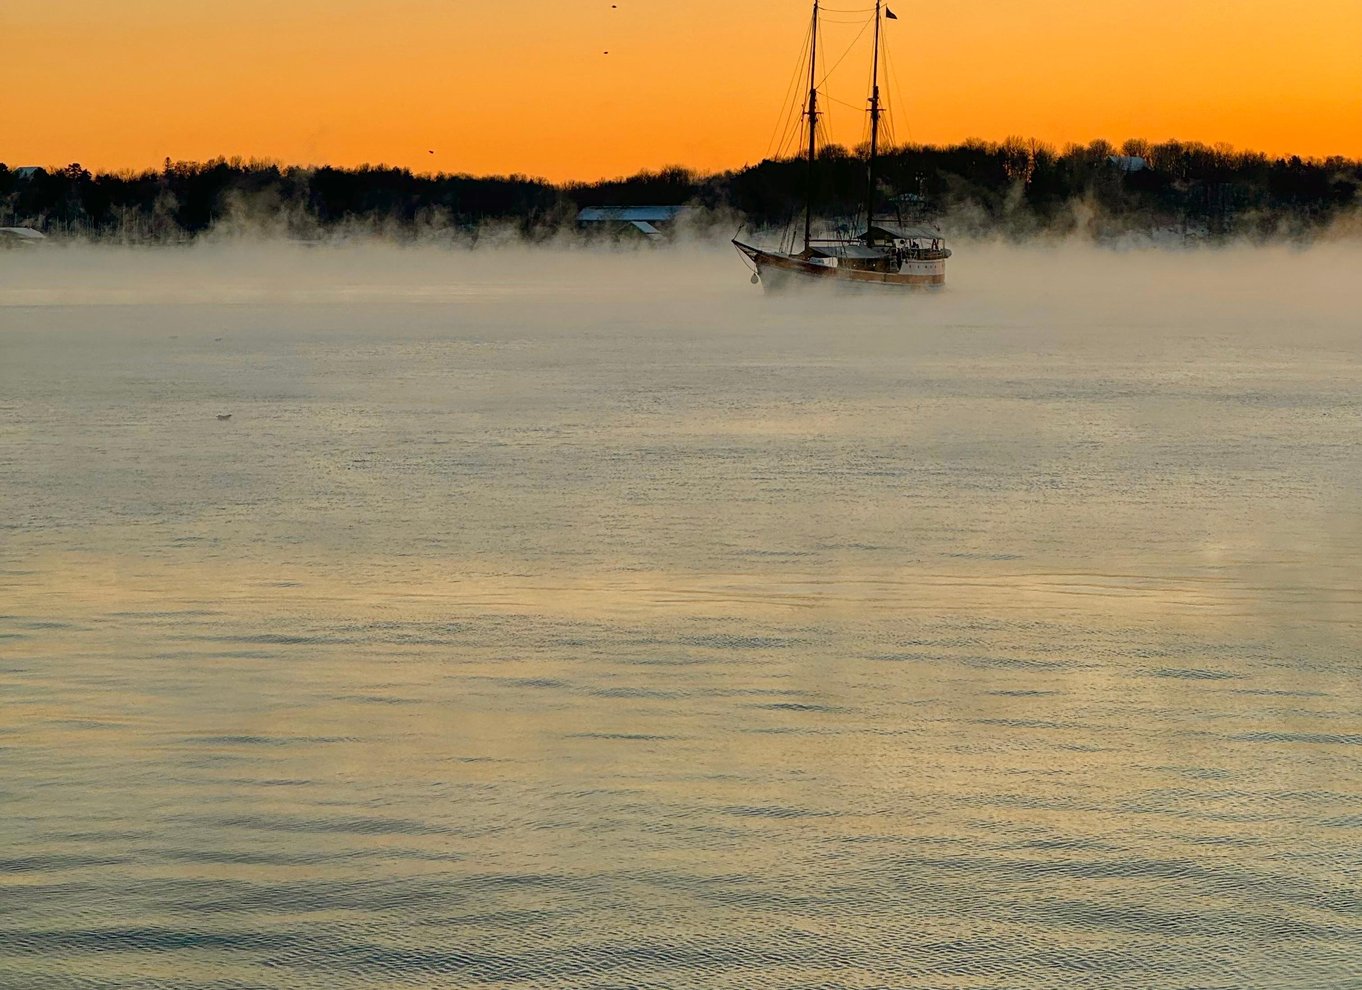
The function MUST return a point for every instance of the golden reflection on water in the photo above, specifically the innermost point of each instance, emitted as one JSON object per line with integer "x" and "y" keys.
{"x": 685, "y": 645}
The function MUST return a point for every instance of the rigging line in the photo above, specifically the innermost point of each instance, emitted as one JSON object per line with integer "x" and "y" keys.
{"x": 845, "y": 53}
{"x": 780, "y": 136}
{"x": 792, "y": 139}
{"x": 787, "y": 127}
{"x": 790, "y": 110}
{"x": 889, "y": 118}
{"x": 821, "y": 130}
{"x": 789, "y": 91}
{"x": 794, "y": 128}
{"x": 799, "y": 126}
{"x": 893, "y": 80}
{"x": 825, "y": 135}
{"x": 867, "y": 121}
{"x": 833, "y": 99}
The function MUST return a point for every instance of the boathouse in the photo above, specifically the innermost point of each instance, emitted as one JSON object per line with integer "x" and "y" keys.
{"x": 650, "y": 222}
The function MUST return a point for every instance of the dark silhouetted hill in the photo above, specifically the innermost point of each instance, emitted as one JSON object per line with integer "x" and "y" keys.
{"x": 1017, "y": 188}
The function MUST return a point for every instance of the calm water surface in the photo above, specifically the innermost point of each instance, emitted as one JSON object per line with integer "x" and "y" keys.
{"x": 581, "y": 620}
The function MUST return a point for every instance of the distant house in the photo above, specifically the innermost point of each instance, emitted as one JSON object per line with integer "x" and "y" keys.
{"x": 651, "y": 222}
{"x": 20, "y": 235}
{"x": 27, "y": 171}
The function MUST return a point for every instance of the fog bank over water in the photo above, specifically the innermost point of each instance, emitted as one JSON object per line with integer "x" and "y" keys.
{"x": 579, "y": 617}
{"x": 1200, "y": 376}
{"x": 1064, "y": 277}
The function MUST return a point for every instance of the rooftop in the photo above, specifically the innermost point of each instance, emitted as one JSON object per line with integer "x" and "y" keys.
{"x": 629, "y": 214}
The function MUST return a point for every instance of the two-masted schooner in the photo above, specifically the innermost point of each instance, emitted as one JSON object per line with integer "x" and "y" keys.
{"x": 889, "y": 252}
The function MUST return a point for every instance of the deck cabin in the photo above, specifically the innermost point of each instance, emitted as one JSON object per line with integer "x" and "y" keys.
{"x": 882, "y": 248}
{"x": 917, "y": 242}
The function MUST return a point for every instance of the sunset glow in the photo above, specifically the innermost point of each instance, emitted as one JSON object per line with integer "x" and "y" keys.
{"x": 447, "y": 85}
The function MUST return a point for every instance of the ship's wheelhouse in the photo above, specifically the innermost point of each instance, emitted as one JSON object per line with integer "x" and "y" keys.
{"x": 913, "y": 243}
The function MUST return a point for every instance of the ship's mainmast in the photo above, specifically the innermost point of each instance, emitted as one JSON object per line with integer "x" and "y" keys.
{"x": 813, "y": 126}
{"x": 874, "y": 123}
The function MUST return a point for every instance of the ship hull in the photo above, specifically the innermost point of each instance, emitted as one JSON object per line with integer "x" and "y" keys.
{"x": 778, "y": 271}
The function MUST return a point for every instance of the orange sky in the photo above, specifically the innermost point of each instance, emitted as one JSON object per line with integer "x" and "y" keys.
{"x": 525, "y": 87}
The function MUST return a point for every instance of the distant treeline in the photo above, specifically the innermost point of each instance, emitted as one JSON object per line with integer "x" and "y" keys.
{"x": 1017, "y": 188}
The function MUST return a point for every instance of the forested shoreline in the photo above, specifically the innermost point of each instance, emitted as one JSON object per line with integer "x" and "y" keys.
{"x": 1016, "y": 189}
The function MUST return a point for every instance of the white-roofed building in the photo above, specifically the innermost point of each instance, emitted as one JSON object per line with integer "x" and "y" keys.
{"x": 20, "y": 235}
{"x": 650, "y": 221}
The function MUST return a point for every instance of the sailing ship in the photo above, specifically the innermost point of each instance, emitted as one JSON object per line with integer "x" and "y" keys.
{"x": 892, "y": 253}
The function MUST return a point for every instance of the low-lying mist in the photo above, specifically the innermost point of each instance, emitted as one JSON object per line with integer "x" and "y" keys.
{"x": 1060, "y": 284}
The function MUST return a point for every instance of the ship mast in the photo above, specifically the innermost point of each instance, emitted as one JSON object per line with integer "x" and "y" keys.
{"x": 874, "y": 124}
{"x": 813, "y": 126}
